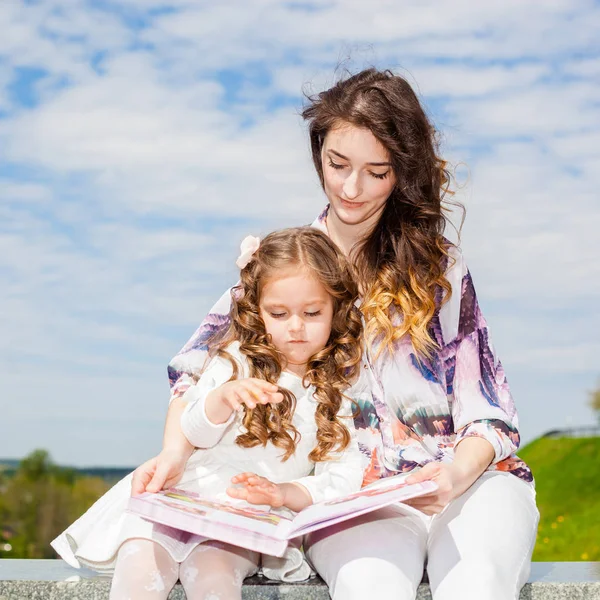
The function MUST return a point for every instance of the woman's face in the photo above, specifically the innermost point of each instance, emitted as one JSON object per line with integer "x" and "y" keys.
{"x": 357, "y": 173}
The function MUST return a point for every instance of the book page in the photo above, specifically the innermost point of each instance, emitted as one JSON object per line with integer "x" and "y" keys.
{"x": 377, "y": 495}
{"x": 228, "y": 513}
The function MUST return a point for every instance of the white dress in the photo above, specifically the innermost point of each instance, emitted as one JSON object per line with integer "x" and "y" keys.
{"x": 95, "y": 538}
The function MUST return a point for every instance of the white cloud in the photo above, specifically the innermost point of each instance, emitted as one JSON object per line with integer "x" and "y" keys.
{"x": 136, "y": 178}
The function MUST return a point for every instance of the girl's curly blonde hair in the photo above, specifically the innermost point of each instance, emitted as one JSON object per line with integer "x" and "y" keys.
{"x": 330, "y": 371}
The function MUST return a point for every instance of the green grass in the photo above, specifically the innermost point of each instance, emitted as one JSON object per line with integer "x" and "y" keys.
{"x": 567, "y": 476}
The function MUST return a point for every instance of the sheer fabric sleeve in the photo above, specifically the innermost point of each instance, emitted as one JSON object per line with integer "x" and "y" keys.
{"x": 191, "y": 359}
{"x": 481, "y": 401}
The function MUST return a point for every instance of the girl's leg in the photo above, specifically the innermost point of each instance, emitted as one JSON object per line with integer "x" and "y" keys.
{"x": 480, "y": 547}
{"x": 144, "y": 571}
{"x": 379, "y": 555}
{"x": 216, "y": 571}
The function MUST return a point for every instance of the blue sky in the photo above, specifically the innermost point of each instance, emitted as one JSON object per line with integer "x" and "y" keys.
{"x": 140, "y": 141}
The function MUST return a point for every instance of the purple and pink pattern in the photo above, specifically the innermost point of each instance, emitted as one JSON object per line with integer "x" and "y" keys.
{"x": 418, "y": 410}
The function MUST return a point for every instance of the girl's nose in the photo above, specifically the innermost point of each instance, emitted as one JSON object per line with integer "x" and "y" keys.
{"x": 296, "y": 323}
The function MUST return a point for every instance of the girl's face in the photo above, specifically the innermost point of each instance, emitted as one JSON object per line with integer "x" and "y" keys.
{"x": 357, "y": 173}
{"x": 297, "y": 312}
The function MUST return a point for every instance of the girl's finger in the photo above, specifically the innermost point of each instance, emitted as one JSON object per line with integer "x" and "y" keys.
{"x": 256, "y": 481}
{"x": 275, "y": 398}
{"x": 232, "y": 400}
{"x": 258, "y": 394}
{"x": 245, "y": 397}
{"x": 240, "y": 493}
{"x": 264, "y": 385}
{"x": 241, "y": 477}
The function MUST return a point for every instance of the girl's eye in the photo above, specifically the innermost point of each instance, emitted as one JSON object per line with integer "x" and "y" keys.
{"x": 277, "y": 315}
{"x": 313, "y": 314}
{"x": 335, "y": 165}
{"x": 380, "y": 175}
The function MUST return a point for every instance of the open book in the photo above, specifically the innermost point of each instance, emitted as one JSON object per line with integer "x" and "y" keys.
{"x": 263, "y": 530}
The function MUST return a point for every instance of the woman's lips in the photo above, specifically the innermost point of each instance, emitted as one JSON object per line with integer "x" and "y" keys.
{"x": 351, "y": 205}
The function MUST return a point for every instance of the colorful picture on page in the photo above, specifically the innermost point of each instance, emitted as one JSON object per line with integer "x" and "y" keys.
{"x": 367, "y": 493}
{"x": 244, "y": 511}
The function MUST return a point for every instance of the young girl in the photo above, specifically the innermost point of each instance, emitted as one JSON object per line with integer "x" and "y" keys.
{"x": 271, "y": 418}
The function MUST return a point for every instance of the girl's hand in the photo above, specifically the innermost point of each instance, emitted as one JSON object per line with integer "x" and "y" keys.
{"x": 257, "y": 490}
{"x": 250, "y": 391}
{"x": 233, "y": 395}
{"x": 160, "y": 472}
{"x": 446, "y": 477}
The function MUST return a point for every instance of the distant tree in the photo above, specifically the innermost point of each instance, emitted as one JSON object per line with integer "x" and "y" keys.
{"x": 38, "y": 502}
{"x": 594, "y": 400}
{"x": 36, "y": 466}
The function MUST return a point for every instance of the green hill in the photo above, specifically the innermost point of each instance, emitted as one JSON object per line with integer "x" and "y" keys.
{"x": 567, "y": 476}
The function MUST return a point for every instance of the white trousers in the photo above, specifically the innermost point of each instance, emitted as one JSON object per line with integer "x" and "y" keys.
{"x": 478, "y": 548}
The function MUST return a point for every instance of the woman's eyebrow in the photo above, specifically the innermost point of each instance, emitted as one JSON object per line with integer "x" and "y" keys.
{"x": 371, "y": 164}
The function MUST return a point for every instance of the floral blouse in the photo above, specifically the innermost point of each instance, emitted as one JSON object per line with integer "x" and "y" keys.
{"x": 418, "y": 410}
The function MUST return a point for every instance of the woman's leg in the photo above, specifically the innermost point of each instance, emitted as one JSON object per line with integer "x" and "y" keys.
{"x": 379, "y": 555}
{"x": 216, "y": 571}
{"x": 480, "y": 547}
{"x": 144, "y": 571}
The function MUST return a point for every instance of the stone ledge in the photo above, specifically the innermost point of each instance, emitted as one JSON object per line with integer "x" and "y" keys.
{"x": 55, "y": 580}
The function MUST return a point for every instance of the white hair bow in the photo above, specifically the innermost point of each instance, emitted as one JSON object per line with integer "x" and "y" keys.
{"x": 248, "y": 247}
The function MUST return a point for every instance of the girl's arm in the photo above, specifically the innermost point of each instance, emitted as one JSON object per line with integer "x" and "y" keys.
{"x": 260, "y": 490}
{"x": 213, "y": 402}
{"x": 339, "y": 476}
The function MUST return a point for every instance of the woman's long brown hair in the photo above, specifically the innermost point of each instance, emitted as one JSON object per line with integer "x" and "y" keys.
{"x": 331, "y": 370}
{"x": 401, "y": 263}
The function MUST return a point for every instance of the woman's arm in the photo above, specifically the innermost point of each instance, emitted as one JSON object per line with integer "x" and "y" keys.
{"x": 481, "y": 401}
{"x": 471, "y": 458}
{"x": 165, "y": 469}
{"x": 483, "y": 412}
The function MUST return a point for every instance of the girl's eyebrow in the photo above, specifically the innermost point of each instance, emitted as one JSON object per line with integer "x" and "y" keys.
{"x": 371, "y": 164}
{"x": 316, "y": 301}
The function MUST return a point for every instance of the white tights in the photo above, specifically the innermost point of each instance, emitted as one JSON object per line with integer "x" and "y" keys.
{"x": 213, "y": 571}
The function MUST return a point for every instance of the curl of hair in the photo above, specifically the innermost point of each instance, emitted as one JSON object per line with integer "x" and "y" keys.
{"x": 400, "y": 264}
{"x": 331, "y": 370}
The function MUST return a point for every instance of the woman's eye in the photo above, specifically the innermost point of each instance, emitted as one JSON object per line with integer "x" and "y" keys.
{"x": 380, "y": 175}
{"x": 277, "y": 315}
{"x": 313, "y": 314}
{"x": 335, "y": 165}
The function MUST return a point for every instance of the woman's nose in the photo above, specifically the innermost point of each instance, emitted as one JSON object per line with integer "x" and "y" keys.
{"x": 351, "y": 186}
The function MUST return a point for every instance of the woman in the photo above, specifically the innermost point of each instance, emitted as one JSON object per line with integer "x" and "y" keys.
{"x": 441, "y": 406}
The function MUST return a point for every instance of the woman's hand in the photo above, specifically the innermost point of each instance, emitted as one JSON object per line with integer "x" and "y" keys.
{"x": 162, "y": 471}
{"x": 233, "y": 395}
{"x": 447, "y": 479}
{"x": 472, "y": 456}
{"x": 257, "y": 490}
